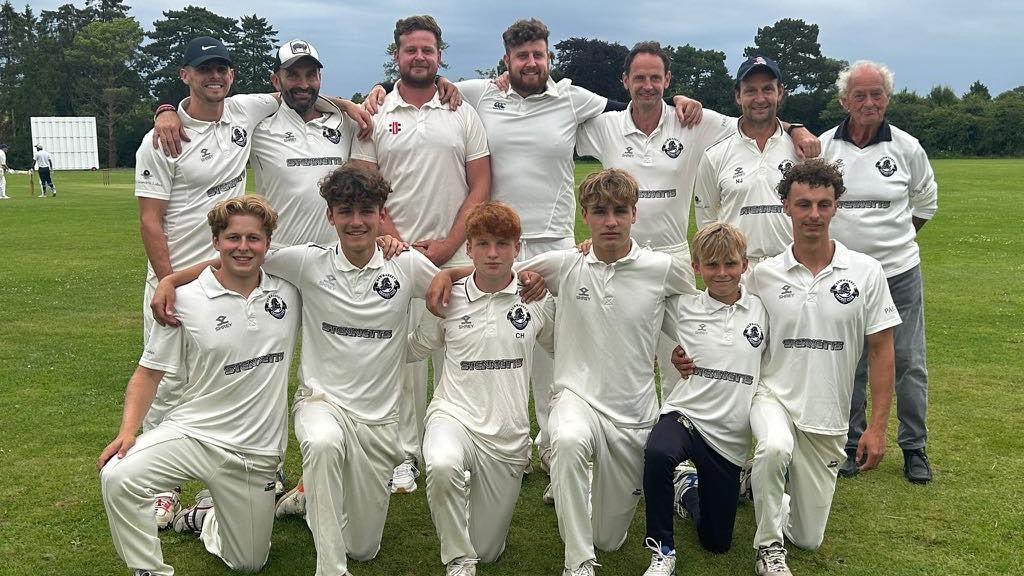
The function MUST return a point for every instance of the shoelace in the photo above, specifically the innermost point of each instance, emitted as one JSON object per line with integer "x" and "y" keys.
{"x": 585, "y": 569}
{"x": 658, "y": 560}
{"x": 775, "y": 559}
{"x": 461, "y": 567}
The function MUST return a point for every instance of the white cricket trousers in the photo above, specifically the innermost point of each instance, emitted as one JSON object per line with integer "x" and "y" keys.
{"x": 242, "y": 485}
{"x": 3, "y": 185}
{"x": 412, "y": 400}
{"x": 171, "y": 387}
{"x": 347, "y": 468}
{"x": 669, "y": 375}
{"x": 543, "y": 369}
{"x": 580, "y": 435}
{"x": 471, "y": 519}
{"x": 800, "y": 511}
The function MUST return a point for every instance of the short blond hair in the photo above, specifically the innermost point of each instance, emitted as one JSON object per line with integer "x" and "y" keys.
{"x": 253, "y": 205}
{"x": 609, "y": 187}
{"x": 719, "y": 242}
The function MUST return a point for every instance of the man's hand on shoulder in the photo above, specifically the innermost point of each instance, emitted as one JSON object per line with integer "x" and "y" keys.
{"x": 169, "y": 133}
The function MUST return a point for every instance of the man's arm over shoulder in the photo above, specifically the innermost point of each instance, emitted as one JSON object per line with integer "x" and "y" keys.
{"x": 427, "y": 337}
{"x": 287, "y": 263}
{"x": 593, "y": 133}
{"x": 549, "y": 265}
{"x": 420, "y": 270}
{"x": 473, "y": 90}
{"x": 707, "y": 196}
{"x": 585, "y": 104}
{"x": 545, "y": 310}
{"x": 255, "y": 107}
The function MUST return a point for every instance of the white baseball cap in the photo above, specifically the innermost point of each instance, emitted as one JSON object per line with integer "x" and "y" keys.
{"x": 292, "y": 51}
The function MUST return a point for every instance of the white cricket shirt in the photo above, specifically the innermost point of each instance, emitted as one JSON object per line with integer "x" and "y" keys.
{"x": 726, "y": 343}
{"x": 736, "y": 184}
{"x": 664, "y": 165}
{"x": 818, "y": 325}
{"x": 887, "y": 183}
{"x": 3, "y": 158}
{"x": 531, "y": 141}
{"x": 210, "y": 168}
{"x": 488, "y": 341}
{"x": 423, "y": 153}
{"x": 289, "y": 159}
{"x": 234, "y": 354}
{"x": 354, "y": 324}
{"x": 607, "y": 325}
{"x": 42, "y": 159}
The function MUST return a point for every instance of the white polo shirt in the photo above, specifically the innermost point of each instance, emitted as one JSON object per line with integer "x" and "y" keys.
{"x": 210, "y": 168}
{"x": 736, "y": 184}
{"x": 887, "y": 183}
{"x": 234, "y": 354}
{"x": 664, "y": 165}
{"x": 42, "y": 159}
{"x": 818, "y": 325}
{"x": 423, "y": 153}
{"x": 531, "y": 141}
{"x": 3, "y": 161}
{"x": 726, "y": 343}
{"x": 488, "y": 342}
{"x": 354, "y": 324}
{"x": 606, "y": 329}
{"x": 289, "y": 158}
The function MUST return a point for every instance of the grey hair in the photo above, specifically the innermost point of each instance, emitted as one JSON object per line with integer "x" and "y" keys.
{"x": 843, "y": 81}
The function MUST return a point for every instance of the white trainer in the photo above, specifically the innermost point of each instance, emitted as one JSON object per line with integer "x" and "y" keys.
{"x": 164, "y": 508}
{"x": 404, "y": 479}
{"x": 771, "y": 561}
{"x": 545, "y": 460}
{"x": 191, "y": 519}
{"x": 661, "y": 564}
{"x": 293, "y": 503}
{"x": 585, "y": 569}
{"x": 746, "y": 488}
{"x": 461, "y": 567}
{"x": 684, "y": 481}
{"x": 549, "y": 496}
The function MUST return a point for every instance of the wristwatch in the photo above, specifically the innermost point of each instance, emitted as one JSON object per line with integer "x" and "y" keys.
{"x": 793, "y": 127}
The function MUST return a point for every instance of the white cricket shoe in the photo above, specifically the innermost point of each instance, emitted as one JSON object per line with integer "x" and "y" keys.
{"x": 404, "y": 479}
{"x": 771, "y": 560}
{"x": 585, "y": 569}
{"x": 746, "y": 488}
{"x": 549, "y": 496}
{"x": 164, "y": 508}
{"x": 292, "y": 503}
{"x": 684, "y": 481}
{"x": 191, "y": 519}
{"x": 279, "y": 483}
{"x": 545, "y": 460}
{"x": 661, "y": 564}
{"x": 461, "y": 567}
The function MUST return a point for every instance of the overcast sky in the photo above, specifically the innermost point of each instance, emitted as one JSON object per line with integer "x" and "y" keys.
{"x": 925, "y": 42}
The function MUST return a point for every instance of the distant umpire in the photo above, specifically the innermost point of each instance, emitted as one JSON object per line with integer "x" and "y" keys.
{"x": 44, "y": 163}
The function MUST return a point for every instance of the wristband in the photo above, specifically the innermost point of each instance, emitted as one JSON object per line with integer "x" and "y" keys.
{"x": 163, "y": 108}
{"x": 793, "y": 127}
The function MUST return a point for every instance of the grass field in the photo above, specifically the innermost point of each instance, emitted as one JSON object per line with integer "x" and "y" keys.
{"x": 71, "y": 275}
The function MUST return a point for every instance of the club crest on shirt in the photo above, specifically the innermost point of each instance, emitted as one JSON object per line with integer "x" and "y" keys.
{"x": 845, "y": 291}
{"x": 276, "y": 306}
{"x": 519, "y": 316}
{"x": 785, "y": 165}
{"x": 672, "y": 148}
{"x": 386, "y": 285}
{"x": 754, "y": 334}
{"x": 886, "y": 166}
{"x": 239, "y": 136}
{"x": 332, "y": 135}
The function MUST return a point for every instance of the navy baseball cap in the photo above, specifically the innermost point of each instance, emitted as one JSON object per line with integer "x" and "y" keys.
{"x": 294, "y": 50}
{"x": 755, "y": 63}
{"x": 204, "y": 49}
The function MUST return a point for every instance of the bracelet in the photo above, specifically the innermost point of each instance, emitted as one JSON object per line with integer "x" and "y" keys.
{"x": 164, "y": 108}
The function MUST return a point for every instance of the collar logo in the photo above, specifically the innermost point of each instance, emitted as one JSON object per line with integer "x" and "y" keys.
{"x": 845, "y": 291}
{"x": 672, "y": 148}
{"x": 276, "y": 306}
{"x": 222, "y": 323}
{"x": 583, "y": 294}
{"x": 519, "y": 316}
{"x": 754, "y": 334}
{"x": 386, "y": 286}
{"x": 239, "y": 136}
{"x": 395, "y": 127}
{"x": 332, "y": 135}
{"x": 886, "y": 166}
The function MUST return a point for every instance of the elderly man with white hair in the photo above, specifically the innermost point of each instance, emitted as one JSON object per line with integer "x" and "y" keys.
{"x": 891, "y": 194}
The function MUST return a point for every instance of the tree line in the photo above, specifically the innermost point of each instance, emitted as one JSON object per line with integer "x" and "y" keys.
{"x": 98, "y": 61}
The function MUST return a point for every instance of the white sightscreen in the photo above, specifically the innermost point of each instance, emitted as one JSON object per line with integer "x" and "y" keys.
{"x": 70, "y": 140}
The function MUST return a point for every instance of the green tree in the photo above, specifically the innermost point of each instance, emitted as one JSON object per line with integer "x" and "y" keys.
{"x": 793, "y": 43}
{"x": 592, "y": 64}
{"x": 254, "y": 55}
{"x": 942, "y": 96}
{"x": 498, "y": 70}
{"x": 978, "y": 90}
{"x": 169, "y": 38}
{"x": 106, "y": 56}
{"x": 701, "y": 74}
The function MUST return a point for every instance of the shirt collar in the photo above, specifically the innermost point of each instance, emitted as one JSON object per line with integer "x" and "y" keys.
{"x": 778, "y": 131}
{"x": 394, "y": 100}
{"x": 629, "y": 127}
{"x": 551, "y": 90}
{"x": 840, "y": 258}
{"x": 330, "y": 115}
{"x": 473, "y": 292}
{"x": 213, "y": 288}
{"x": 634, "y": 253}
{"x": 884, "y": 133}
{"x": 201, "y": 125}
{"x": 713, "y": 305}
{"x": 342, "y": 263}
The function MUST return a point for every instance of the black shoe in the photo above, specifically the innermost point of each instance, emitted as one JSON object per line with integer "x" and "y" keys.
{"x": 849, "y": 467}
{"x": 916, "y": 467}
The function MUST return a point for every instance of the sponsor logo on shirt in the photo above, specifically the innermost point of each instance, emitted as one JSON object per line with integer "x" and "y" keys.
{"x": 369, "y": 333}
{"x": 237, "y": 367}
{"x": 787, "y": 292}
{"x": 502, "y": 364}
{"x": 519, "y": 316}
{"x": 725, "y": 375}
{"x": 467, "y": 322}
{"x": 205, "y": 155}
{"x": 754, "y": 334}
{"x": 326, "y": 161}
{"x": 386, "y": 285}
{"x": 226, "y": 186}
{"x": 886, "y": 166}
{"x": 863, "y": 204}
{"x": 289, "y": 137}
{"x": 628, "y": 153}
{"x": 814, "y": 344}
{"x": 845, "y": 291}
{"x": 672, "y": 148}
{"x": 395, "y": 127}
{"x": 146, "y": 174}
{"x": 332, "y": 135}
{"x": 583, "y": 294}
{"x": 738, "y": 174}
{"x": 499, "y": 105}
{"x": 222, "y": 323}
{"x": 785, "y": 165}
{"x": 668, "y": 193}
{"x": 702, "y": 329}
{"x": 840, "y": 164}
{"x": 761, "y": 209}
{"x": 239, "y": 136}
{"x": 329, "y": 282}
{"x": 276, "y": 306}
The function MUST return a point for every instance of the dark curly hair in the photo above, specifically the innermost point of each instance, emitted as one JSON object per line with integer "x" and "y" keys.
{"x": 816, "y": 173}
{"x": 354, "y": 185}
{"x": 523, "y": 31}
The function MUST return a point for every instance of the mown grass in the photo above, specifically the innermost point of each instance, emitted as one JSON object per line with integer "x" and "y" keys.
{"x": 71, "y": 274}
